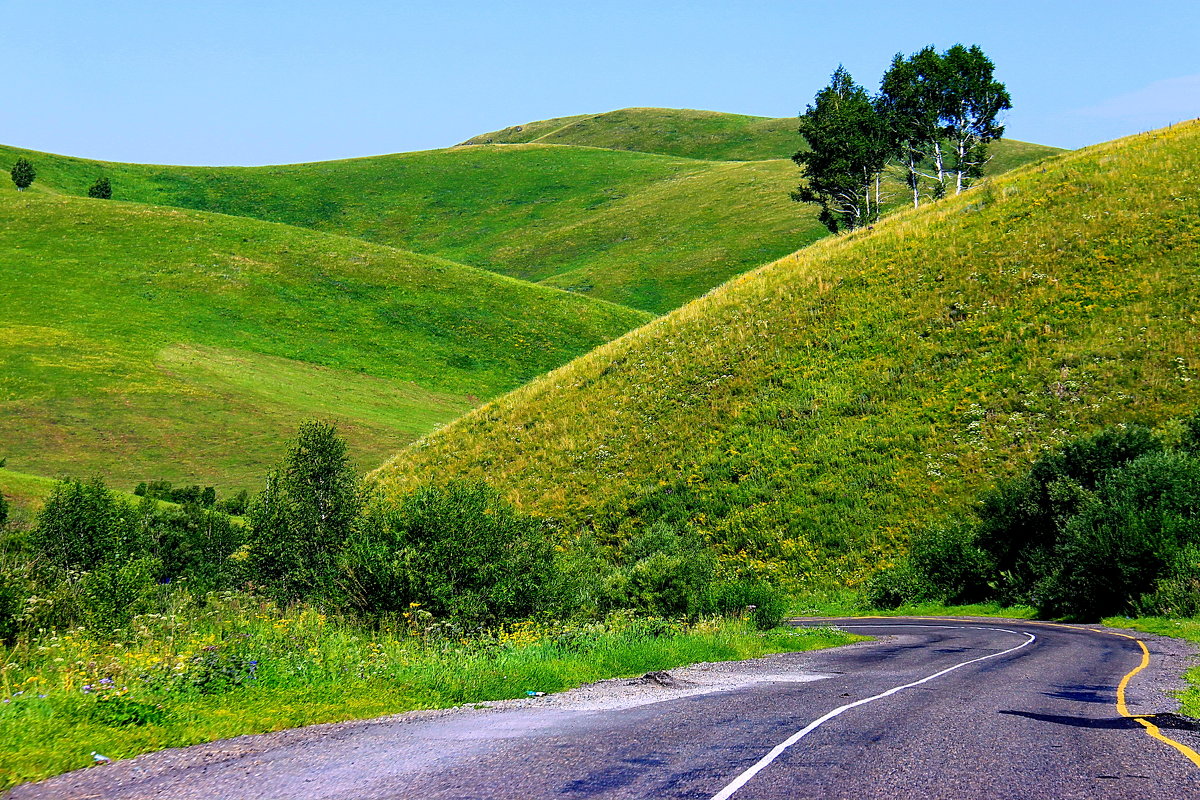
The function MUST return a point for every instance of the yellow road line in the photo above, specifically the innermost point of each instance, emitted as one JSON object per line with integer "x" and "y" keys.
{"x": 1152, "y": 730}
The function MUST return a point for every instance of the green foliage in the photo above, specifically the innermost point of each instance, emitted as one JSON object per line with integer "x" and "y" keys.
{"x": 1020, "y": 521}
{"x": 1124, "y": 538}
{"x": 113, "y": 592}
{"x": 458, "y": 551}
{"x": 3, "y": 510}
{"x": 23, "y": 173}
{"x": 195, "y": 544}
{"x": 81, "y": 526}
{"x": 304, "y": 516}
{"x": 764, "y": 604}
{"x": 101, "y": 189}
{"x": 667, "y": 572}
{"x": 1107, "y": 524}
{"x": 849, "y": 143}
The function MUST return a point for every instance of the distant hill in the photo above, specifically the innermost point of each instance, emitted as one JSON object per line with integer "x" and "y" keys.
{"x": 645, "y": 230}
{"x": 681, "y": 132}
{"x": 706, "y": 135}
{"x": 143, "y": 342}
{"x": 806, "y": 417}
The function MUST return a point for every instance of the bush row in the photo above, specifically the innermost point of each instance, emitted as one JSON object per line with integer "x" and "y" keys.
{"x": 319, "y": 534}
{"x": 1107, "y": 524}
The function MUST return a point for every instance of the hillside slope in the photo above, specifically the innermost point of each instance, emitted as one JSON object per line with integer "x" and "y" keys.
{"x": 143, "y": 342}
{"x": 644, "y": 230}
{"x": 812, "y": 413}
{"x": 706, "y": 135}
{"x": 682, "y": 132}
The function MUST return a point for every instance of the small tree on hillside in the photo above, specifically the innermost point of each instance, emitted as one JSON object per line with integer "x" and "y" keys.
{"x": 849, "y": 145}
{"x": 101, "y": 189}
{"x": 972, "y": 103}
{"x": 23, "y": 174}
{"x": 305, "y": 515}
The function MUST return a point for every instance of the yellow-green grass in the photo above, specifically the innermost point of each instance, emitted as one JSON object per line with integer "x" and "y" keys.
{"x": 158, "y": 684}
{"x": 641, "y": 229}
{"x": 809, "y": 415}
{"x": 142, "y": 342}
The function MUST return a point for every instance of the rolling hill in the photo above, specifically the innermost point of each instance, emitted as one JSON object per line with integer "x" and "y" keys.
{"x": 705, "y": 135}
{"x": 806, "y": 417}
{"x": 642, "y": 229}
{"x": 146, "y": 342}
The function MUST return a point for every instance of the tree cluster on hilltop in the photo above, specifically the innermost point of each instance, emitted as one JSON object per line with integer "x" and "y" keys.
{"x": 933, "y": 117}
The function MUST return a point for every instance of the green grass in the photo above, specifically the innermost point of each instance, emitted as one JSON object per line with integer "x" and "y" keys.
{"x": 813, "y": 413}
{"x": 143, "y": 342}
{"x": 682, "y": 132}
{"x": 157, "y": 686}
{"x": 646, "y": 230}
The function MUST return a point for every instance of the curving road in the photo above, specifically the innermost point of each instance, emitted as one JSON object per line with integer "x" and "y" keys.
{"x": 930, "y": 709}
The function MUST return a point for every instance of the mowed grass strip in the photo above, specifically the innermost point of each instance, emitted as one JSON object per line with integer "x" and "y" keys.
{"x": 813, "y": 413}
{"x": 143, "y": 342}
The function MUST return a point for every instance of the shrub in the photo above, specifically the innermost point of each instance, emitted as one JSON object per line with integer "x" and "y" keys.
{"x": 83, "y": 525}
{"x": 306, "y": 513}
{"x": 893, "y": 586}
{"x": 668, "y": 572}
{"x": 113, "y": 593}
{"x": 101, "y": 189}
{"x": 948, "y": 566}
{"x": 1019, "y": 523}
{"x": 459, "y": 550}
{"x": 762, "y": 602}
{"x": 1125, "y": 538}
{"x": 1177, "y": 592}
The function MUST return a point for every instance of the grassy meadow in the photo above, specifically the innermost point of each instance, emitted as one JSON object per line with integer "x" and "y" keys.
{"x": 145, "y": 342}
{"x": 806, "y": 417}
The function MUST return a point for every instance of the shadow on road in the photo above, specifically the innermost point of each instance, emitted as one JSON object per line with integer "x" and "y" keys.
{"x": 1175, "y": 722}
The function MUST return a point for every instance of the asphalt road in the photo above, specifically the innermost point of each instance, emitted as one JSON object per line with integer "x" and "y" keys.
{"x": 988, "y": 709}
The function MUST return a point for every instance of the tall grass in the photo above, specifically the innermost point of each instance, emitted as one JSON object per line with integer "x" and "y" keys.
{"x": 234, "y": 664}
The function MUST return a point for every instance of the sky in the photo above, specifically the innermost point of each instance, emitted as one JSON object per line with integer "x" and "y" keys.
{"x": 274, "y": 81}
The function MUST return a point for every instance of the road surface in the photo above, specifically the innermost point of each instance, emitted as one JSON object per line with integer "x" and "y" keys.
{"x": 930, "y": 709}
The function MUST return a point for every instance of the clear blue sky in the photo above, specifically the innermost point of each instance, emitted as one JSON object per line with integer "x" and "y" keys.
{"x": 269, "y": 81}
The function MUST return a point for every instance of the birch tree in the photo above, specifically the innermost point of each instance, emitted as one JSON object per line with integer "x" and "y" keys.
{"x": 849, "y": 146}
{"x": 911, "y": 99}
{"x": 973, "y": 101}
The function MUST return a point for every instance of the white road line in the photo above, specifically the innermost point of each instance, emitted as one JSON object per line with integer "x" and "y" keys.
{"x": 741, "y": 780}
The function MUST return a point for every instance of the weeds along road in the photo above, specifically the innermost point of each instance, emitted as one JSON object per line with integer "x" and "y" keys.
{"x": 930, "y": 709}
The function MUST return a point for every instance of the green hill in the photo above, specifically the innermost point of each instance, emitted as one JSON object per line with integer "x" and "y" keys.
{"x": 640, "y": 229}
{"x": 145, "y": 342}
{"x": 705, "y": 135}
{"x": 681, "y": 132}
{"x": 807, "y": 416}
